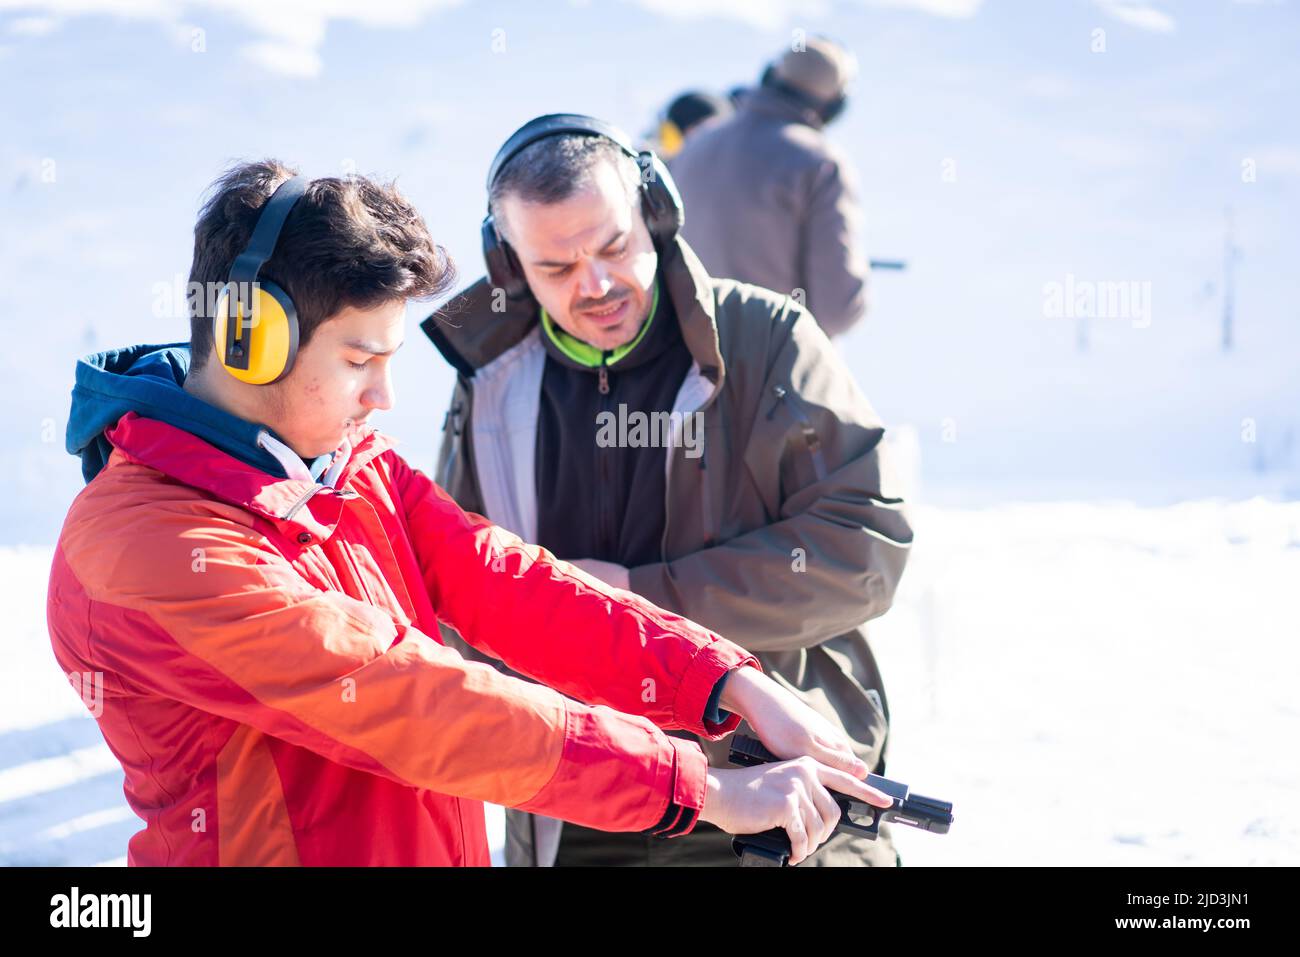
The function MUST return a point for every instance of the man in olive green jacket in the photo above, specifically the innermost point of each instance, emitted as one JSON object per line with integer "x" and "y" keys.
{"x": 783, "y": 532}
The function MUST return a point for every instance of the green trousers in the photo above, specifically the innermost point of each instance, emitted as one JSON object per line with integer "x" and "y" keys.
{"x": 705, "y": 846}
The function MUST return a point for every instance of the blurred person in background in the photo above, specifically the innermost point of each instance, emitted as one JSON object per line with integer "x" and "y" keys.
{"x": 687, "y": 113}
{"x": 772, "y": 202}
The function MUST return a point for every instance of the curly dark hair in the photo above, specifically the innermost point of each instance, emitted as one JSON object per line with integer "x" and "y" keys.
{"x": 349, "y": 242}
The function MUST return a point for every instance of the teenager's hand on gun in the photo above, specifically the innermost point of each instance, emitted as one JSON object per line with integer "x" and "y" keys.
{"x": 789, "y": 794}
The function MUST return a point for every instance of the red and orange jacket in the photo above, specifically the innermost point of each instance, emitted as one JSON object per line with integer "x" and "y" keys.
{"x": 276, "y": 693}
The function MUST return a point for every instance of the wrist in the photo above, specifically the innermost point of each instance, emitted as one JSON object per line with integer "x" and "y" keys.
{"x": 744, "y": 685}
{"x": 712, "y": 797}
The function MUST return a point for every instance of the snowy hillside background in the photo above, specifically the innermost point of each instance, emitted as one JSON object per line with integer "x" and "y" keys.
{"x": 1096, "y": 639}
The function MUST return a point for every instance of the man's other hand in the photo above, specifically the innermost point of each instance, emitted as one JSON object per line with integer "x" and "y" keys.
{"x": 786, "y": 726}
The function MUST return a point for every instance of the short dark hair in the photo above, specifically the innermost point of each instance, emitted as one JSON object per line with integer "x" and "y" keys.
{"x": 553, "y": 169}
{"x": 349, "y": 242}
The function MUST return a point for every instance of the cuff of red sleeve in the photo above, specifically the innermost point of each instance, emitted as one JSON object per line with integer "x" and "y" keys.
{"x": 686, "y": 798}
{"x": 713, "y": 712}
{"x": 697, "y": 684}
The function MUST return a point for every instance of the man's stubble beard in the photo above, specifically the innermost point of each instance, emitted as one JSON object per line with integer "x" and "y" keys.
{"x": 639, "y": 324}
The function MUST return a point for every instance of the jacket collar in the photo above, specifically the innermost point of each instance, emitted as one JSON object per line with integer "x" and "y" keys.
{"x": 770, "y": 102}
{"x": 470, "y": 332}
{"x": 656, "y": 335}
{"x": 150, "y": 380}
{"x": 294, "y": 505}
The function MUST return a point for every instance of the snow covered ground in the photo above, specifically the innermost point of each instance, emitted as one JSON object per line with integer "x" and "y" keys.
{"x": 1100, "y": 684}
{"x": 1088, "y": 683}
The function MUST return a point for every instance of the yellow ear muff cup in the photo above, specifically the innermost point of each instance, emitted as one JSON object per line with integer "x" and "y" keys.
{"x": 670, "y": 139}
{"x": 271, "y": 334}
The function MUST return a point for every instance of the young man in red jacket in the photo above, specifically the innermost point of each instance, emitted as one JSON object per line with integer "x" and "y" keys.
{"x": 252, "y": 580}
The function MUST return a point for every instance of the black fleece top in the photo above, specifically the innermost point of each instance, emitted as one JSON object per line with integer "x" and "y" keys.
{"x": 599, "y": 502}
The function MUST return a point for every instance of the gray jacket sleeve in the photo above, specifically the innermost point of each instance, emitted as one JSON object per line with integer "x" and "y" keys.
{"x": 834, "y": 556}
{"x": 832, "y": 265}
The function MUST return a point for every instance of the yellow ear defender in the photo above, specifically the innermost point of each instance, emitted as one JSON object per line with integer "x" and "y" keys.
{"x": 670, "y": 139}
{"x": 255, "y": 324}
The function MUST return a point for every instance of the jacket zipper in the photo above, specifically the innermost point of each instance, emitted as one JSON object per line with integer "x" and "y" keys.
{"x": 603, "y": 468}
{"x": 451, "y": 422}
{"x": 293, "y": 509}
{"x": 779, "y": 392}
{"x": 706, "y": 502}
{"x": 810, "y": 437}
{"x": 452, "y": 418}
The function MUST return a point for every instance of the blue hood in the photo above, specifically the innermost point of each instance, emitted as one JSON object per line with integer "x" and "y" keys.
{"x": 148, "y": 380}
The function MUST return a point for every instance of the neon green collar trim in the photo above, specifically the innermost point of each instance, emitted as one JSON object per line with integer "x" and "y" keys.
{"x": 584, "y": 353}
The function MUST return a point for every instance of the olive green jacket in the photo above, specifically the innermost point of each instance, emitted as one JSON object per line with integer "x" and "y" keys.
{"x": 784, "y": 536}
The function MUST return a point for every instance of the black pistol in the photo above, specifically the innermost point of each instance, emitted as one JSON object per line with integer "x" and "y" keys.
{"x": 772, "y": 848}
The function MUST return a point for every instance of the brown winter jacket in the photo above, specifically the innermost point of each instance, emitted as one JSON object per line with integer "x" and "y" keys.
{"x": 785, "y": 536}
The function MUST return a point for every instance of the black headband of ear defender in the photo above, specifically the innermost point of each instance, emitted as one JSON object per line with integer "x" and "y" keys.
{"x": 261, "y": 245}
{"x": 243, "y": 289}
{"x": 661, "y": 204}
